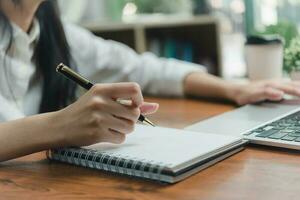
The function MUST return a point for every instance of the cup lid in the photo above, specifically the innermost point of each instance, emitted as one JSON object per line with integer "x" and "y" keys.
{"x": 264, "y": 39}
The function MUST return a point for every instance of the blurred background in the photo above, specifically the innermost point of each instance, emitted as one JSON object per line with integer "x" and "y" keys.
{"x": 208, "y": 32}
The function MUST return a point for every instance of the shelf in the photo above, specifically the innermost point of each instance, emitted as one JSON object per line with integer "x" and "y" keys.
{"x": 201, "y": 33}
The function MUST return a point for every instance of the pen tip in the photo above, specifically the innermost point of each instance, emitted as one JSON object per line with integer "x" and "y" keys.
{"x": 149, "y": 122}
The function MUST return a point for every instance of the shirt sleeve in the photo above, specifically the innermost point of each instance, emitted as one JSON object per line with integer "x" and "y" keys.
{"x": 106, "y": 61}
{"x": 8, "y": 110}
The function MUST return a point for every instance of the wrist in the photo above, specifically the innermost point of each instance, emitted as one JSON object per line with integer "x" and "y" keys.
{"x": 232, "y": 91}
{"x": 55, "y": 137}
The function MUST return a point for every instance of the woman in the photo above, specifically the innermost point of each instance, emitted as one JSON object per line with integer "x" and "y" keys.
{"x": 33, "y": 41}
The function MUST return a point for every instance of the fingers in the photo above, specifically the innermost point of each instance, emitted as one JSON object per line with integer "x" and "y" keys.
{"x": 149, "y": 108}
{"x": 261, "y": 94}
{"x": 123, "y": 111}
{"x": 295, "y": 83}
{"x": 267, "y": 93}
{"x": 272, "y": 94}
{"x": 109, "y": 119}
{"x": 273, "y": 91}
{"x": 118, "y": 129}
{"x": 126, "y": 111}
{"x": 116, "y": 137}
{"x": 130, "y": 91}
{"x": 120, "y": 125}
{"x": 110, "y": 129}
{"x": 129, "y": 113}
{"x": 112, "y": 136}
{"x": 292, "y": 88}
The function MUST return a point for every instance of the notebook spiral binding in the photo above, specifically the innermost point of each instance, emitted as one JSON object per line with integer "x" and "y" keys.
{"x": 108, "y": 162}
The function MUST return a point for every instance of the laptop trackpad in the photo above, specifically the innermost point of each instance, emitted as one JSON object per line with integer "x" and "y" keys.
{"x": 246, "y": 118}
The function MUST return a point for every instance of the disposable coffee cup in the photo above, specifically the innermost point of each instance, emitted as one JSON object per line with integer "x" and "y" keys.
{"x": 264, "y": 57}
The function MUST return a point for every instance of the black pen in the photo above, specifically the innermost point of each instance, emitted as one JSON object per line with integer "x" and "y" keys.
{"x": 83, "y": 82}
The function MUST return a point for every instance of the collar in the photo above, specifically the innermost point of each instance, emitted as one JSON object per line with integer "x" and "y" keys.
{"x": 33, "y": 34}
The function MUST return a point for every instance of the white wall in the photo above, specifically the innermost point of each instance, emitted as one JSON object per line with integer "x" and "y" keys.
{"x": 84, "y": 10}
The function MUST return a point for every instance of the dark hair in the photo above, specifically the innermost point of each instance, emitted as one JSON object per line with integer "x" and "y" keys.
{"x": 51, "y": 49}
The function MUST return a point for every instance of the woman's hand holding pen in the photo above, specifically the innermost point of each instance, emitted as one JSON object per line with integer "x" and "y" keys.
{"x": 98, "y": 117}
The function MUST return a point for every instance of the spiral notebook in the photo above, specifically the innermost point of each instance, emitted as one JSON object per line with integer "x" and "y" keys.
{"x": 162, "y": 154}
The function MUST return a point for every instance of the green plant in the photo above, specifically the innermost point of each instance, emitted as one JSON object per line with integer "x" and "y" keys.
{"x": 163, "y": 6}
{"x": 289, "y": 32}
{"x": 286, "y": 30}
{"x": 292, "y": 56}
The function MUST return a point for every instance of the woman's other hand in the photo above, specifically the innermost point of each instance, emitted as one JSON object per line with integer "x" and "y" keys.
{"x": 272, "y": 90}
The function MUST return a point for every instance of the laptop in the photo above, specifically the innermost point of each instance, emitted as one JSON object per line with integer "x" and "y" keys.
{"x": 272, "y": 124}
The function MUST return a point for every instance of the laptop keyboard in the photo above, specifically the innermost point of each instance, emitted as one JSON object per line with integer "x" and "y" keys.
{"x": 286, "y": 128}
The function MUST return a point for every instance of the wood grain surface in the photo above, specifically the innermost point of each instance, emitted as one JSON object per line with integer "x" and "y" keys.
{"x": 256, "y": 173}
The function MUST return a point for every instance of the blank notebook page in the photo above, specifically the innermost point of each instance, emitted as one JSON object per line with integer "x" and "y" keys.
{"x": 164, "y": 146}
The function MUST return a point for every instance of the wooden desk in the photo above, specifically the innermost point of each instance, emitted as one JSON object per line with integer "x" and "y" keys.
{"x": 256, "y": 173}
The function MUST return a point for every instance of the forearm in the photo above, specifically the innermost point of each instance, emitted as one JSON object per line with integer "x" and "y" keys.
{"x": 28, "y": 135}
{"x": 205, "y": 85}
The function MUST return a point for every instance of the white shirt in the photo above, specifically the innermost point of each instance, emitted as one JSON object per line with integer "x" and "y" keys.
{"x": 97, "y": 59}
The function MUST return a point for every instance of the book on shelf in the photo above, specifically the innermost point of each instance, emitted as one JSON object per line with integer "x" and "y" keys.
{"x": 171, "y": 48}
